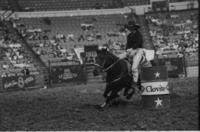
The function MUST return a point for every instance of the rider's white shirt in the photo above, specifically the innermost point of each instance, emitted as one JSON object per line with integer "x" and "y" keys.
{"x": 149, "y": 54}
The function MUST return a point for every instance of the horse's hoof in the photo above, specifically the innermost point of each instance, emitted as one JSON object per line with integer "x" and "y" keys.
{"x": 103, "y": 105}
{"x": 99, "y": 107}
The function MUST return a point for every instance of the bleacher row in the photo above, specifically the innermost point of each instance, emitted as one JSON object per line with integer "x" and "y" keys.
{"x": 4, "y": 5}
{"x": 65, "y": 33}
{"x": 12, "y": 52}
{"x": 175, "y": 34}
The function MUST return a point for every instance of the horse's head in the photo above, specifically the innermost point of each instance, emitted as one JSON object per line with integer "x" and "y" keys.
{"x": 104, "y": 58}
{"x": 101, "y": 53}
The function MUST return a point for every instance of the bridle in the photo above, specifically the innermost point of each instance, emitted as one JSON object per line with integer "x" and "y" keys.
{"x": 107, "y": 68}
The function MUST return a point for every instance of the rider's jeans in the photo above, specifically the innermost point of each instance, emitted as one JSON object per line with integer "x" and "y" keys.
{"x": 138, "y": 58}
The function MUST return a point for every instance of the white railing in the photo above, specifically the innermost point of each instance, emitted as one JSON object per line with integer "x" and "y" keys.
{"x": 71, "y": 13}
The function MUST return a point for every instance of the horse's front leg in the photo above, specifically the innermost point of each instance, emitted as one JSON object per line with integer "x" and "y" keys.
{"x": 105, "y": 94}
{"x": 107, "y": 90}
{"x": 109, "y": 99}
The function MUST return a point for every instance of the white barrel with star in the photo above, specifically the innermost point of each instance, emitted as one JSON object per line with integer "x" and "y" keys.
{"x": 155, "y": 87}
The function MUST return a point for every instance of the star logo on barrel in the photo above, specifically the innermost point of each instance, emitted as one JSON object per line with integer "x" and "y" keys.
{"x": 158, "y": 102}
{"x": 157, "y": 75}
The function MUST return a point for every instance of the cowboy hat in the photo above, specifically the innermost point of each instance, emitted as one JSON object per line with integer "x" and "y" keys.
{"x": 132, "y": 25}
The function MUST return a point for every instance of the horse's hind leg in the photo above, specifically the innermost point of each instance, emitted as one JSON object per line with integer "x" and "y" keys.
{"x": 107, "y": 90}
{"x": 129, "y": 88}
{"x": 130, "y": 94}
{"x": 134, "y": 87}
{"x": 126, "y": 91}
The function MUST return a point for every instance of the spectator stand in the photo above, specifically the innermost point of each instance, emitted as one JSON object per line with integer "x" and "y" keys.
{"x": 50, "y": 41}
{"x": 175, "y": 34}
{"x": 13, "y": 59}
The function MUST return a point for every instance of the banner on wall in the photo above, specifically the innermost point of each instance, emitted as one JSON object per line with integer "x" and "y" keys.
{"x": 18, "y": 81}
{"x": 67, "y": 73}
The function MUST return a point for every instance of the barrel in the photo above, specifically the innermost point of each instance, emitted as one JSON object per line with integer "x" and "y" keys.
{"x": 155, "y": 87}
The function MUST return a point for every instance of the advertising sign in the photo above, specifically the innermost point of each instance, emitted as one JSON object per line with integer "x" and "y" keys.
{"x": 155, "y": 88}
{"x": 18, "y": 82}
{"x": 71, "y": 73}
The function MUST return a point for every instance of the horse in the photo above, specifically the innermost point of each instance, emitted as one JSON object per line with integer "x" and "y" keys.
{"x": 118, "y": 75}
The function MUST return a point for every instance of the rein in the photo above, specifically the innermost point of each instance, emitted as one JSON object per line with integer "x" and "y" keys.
{"x": 109, "y": 67}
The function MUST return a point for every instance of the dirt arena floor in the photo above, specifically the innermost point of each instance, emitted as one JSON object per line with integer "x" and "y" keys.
{"x": 75, "y": 108}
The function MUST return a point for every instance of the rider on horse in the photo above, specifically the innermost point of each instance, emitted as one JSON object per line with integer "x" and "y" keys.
{"x": 135, "y": 52}
{"x": 117, "y": 68}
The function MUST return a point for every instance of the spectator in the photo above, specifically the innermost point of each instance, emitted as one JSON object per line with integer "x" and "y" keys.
{"x": 81, "y": 38}
{"x": 5, "y": 66}
{"x": 26, "y": 71}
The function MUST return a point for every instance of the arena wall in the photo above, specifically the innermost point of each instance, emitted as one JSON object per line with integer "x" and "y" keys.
{"x": 140, "y": 10}
{"x": 70, "y": 13}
